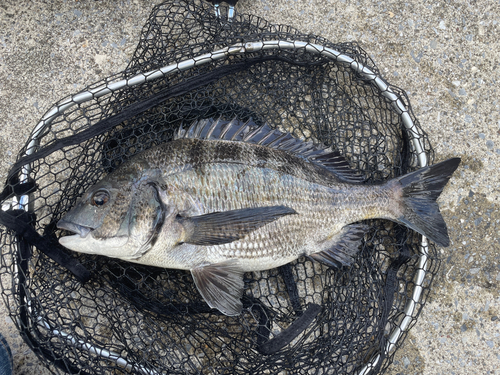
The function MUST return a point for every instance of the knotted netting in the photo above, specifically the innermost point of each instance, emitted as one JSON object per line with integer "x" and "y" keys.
{"x": 88, "y": 314}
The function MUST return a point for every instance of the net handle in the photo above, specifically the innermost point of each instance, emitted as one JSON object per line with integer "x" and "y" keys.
{"x": 250, "y": 47}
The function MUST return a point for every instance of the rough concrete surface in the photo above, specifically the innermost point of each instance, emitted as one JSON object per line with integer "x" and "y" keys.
{"x": 445, "y": 54}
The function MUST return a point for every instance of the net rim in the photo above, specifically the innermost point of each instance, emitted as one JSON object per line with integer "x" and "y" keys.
{"x": 223, "y": 53}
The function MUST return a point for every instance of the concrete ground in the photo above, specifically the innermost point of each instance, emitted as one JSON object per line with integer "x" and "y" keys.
{"x": 444, "y": 53}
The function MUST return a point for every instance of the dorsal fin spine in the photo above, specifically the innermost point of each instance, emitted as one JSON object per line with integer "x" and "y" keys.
{"x": 265, "y": 138}
{"x": 250, "y": 135}
{"x": 190, "y": 131}
{"x": 276, "y": 143}
{"x": 211, "y": 130}
{"x": 239, "y": 131}
{"x": 198, "y": 129}
{"x": 225, "y": 130}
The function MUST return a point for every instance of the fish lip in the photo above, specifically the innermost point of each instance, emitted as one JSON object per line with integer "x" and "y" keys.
{"x": 82, "y": 230}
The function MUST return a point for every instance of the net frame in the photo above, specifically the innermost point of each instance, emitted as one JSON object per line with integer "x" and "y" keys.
{"x": 113, "y": 86}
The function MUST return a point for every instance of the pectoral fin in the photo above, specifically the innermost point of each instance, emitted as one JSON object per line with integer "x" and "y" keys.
{"x": 221, "y": 285}
{"x": 223, "y": 227}
{"x": 344, "y": 247}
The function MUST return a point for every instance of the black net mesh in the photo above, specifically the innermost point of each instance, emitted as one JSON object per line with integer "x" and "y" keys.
{"x": 303, "y": 318}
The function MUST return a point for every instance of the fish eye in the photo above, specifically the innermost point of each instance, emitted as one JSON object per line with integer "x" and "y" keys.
{"x": 99, "y": 198}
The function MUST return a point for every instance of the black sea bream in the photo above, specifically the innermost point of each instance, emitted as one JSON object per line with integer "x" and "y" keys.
{"x": 225, "y": 198}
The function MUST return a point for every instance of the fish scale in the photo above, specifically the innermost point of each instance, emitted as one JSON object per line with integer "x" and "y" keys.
{"x": 227, "y": 197}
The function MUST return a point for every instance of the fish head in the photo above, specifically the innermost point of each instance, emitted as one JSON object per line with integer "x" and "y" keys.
{"x": 119, "y": 217}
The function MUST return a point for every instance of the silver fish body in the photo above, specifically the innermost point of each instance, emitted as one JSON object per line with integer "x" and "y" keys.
{"x": 226, "y": 198}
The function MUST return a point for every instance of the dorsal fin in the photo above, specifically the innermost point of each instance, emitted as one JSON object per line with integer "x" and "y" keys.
{"x": 249, "y": 132}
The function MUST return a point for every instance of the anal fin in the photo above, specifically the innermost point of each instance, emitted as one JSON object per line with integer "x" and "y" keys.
{"x": 221, "y": 285}
{"x": 344, "y": 247}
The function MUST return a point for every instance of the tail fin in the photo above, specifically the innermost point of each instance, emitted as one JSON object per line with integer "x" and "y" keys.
{"x": 421, "y": 188}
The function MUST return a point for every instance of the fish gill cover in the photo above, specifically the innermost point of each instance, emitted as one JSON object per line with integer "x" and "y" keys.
{"x": 88, "y": 314}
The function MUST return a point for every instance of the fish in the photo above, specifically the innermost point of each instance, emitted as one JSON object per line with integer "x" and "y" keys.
{"x": 225, "y": 197}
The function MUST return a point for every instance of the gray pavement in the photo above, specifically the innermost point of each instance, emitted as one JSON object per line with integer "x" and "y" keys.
{"x": 445, "y": 54}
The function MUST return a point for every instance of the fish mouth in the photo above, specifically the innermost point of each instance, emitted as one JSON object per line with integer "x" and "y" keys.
{"x": 83, "y": 231}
